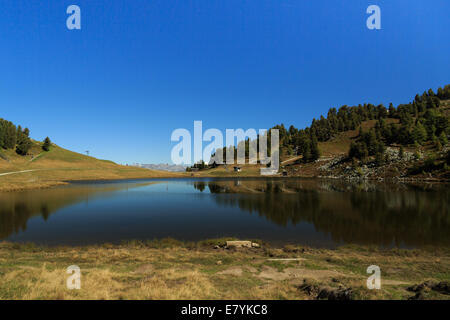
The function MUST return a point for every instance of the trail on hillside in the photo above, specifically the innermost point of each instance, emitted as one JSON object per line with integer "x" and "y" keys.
{"x": 13, "y": 172}
{"x": 291, "y": 159}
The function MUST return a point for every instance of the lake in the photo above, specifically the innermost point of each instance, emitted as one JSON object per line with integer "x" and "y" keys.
{"x": 319, "y": 213}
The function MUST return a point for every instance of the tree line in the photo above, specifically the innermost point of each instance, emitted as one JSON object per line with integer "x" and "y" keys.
{"x": 418, "y": 122}
{"x": 12, "y": 137}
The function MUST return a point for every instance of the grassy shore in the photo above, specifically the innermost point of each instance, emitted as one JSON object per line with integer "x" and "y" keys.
{"x": 168, "y": 269}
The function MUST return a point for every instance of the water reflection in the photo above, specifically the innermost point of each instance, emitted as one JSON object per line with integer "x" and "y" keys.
{"x": 16, "y": 208}
{"x": 365, "y": 213}
{"x": 313, "y": 211}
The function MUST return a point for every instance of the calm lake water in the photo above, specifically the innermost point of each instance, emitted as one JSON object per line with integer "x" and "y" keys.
{"x": 309, "y": 212}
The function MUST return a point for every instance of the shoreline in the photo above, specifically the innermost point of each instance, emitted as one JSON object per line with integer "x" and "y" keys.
{"x": 52, "y": 184}
{"x": 171, "y": 269}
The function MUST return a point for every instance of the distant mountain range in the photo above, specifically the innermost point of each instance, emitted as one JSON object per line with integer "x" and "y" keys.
{"x": 164, "y": 167}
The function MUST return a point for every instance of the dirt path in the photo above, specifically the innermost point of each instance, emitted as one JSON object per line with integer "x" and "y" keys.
{"x": 290, "y": 160}
{"x": 13, "y": 172}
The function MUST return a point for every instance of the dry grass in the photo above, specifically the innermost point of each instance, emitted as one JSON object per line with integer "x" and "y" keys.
{"x": 59, "y": 165}
{"x": 173, "y": 270}
{"x": 340, "y": 144}
{"x": 247, "y": 170}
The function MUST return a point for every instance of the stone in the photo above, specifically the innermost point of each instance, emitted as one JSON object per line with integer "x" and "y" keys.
{"x": 418, "y": 296}
{"x": 421, "y": 287}
{"x": 442, "y": 287}
{"x": 309, "y": 288}
{"x": 239, "y": 244}
{"x": 335, "y": 294}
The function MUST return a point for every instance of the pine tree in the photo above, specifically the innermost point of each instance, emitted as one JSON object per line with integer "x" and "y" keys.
{"x": 315, "y": 152}
{"x": 379, "y": 159}
{"x": 361, "y": 132}
{"x": 47, "y": 144}
{"x": 23, "y": 141}
{"x": 23, "y": 145}
{"x": 392, "y": 112}
{"x": 419, "y": 133}
{"x": 438, "y": 145}
{"x": 307, "y": 152}
{"x": 358, "y": 150}
{"x": 372, "y": 142}
{"x": 443, "y": 138}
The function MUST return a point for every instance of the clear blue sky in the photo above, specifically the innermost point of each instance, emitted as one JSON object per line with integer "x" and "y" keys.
{"x": 139, "y": 69}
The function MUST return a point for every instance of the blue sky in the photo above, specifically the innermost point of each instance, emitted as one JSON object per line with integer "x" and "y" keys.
{"x": 139, "y": 69}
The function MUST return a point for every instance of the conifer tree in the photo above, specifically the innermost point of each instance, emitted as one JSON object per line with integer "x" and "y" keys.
{"x": 315, "y": 152}
{"x": 47, "y": 144}
{"x": 419, "y": 133}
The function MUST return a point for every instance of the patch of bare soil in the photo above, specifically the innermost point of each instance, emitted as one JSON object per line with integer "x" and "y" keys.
{"x": 295, "y": 273}
{"x": 234, "y": 271}
{"x": 144, "y": 269}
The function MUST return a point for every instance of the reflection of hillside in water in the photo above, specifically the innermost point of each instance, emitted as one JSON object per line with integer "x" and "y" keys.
{"x": 368, "y": 214}
{"x": 16, "y": 208}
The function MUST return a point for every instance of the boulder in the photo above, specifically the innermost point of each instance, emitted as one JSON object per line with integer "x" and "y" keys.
{"x": 335, "y": 294}
{"x": 239, "y": 244}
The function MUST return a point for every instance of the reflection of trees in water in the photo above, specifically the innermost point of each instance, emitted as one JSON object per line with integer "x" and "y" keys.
{"x": 200, "y": 185}
{"x": 15, "y": 214}
{"x": 16, "y": 208}
{"x": 412, "y": 217}
{"x": 362, "y": 213}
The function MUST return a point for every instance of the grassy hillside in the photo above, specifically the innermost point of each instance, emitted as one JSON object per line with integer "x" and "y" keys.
{"x": 363, "y": 136}
{"x": 58, "y": 165}
{"x": 340, "y": 144}
{"x": 428, "y": 165}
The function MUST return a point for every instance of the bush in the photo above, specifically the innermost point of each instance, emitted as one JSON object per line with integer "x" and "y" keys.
{"x": 430, "y": 163}
{"x": 359, "y": 171}
{"x": 417, "y": 155}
